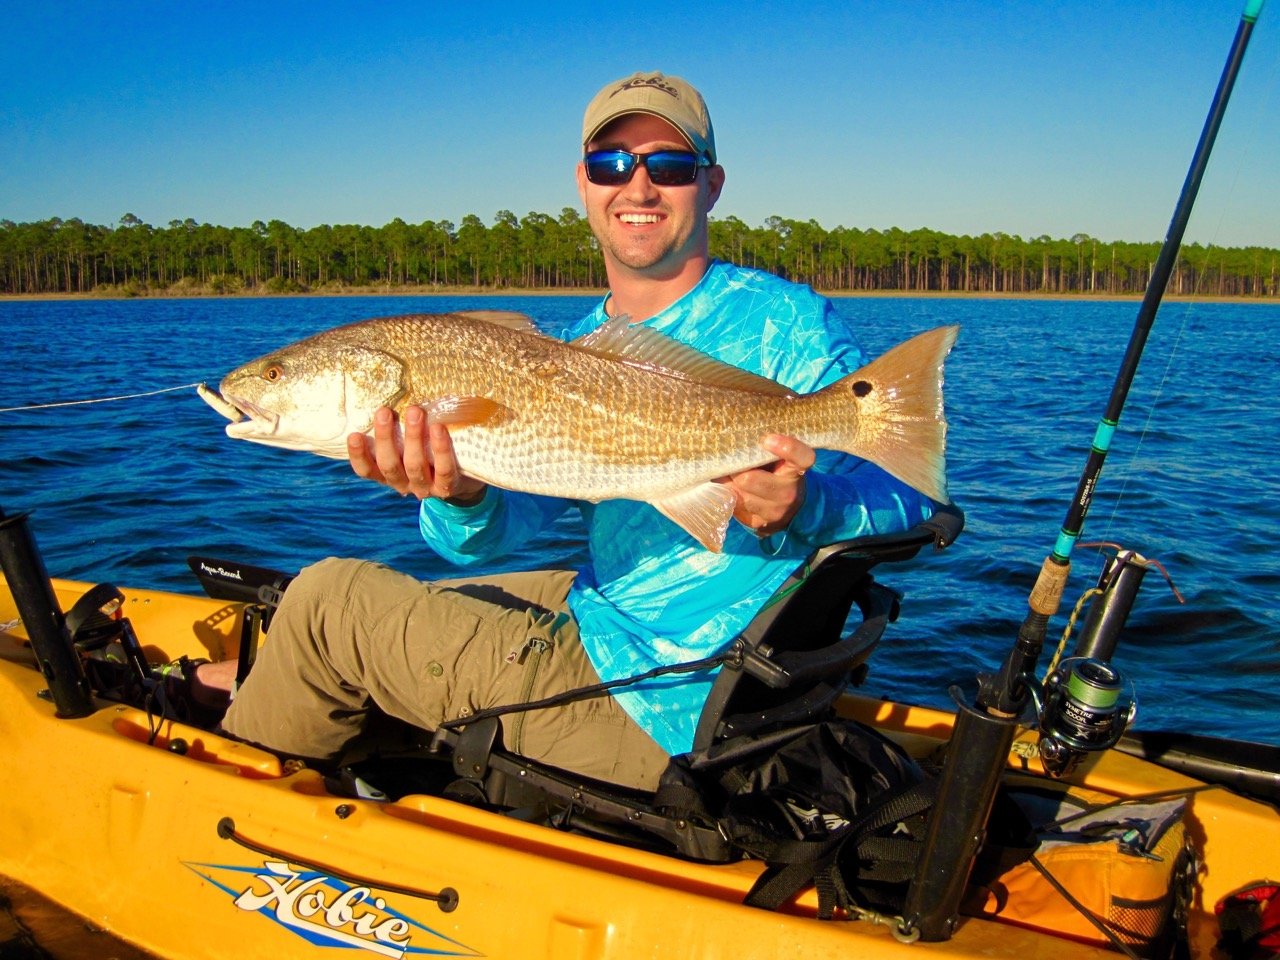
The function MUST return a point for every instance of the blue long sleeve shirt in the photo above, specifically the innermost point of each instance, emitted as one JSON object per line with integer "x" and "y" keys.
{"x": 651, "y": 595}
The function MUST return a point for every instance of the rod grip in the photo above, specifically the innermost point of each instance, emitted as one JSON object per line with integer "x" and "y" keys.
{"x": 1046, "y": 595}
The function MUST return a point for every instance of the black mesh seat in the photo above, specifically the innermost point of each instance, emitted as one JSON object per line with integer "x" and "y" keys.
{"x": 785, "y": 669}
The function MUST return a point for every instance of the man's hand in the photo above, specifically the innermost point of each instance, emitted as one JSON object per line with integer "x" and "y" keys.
{"x": 423, "y": 464}
{"x": 770, "y": 496}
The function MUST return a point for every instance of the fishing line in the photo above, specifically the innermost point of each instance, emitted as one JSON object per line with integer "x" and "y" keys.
{"x": 1126, "y": 473}
{"x": 76, "y": 403}
{"x": 1194, "y": 304}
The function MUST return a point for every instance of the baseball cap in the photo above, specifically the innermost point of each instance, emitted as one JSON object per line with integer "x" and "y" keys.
{"x": 672, "y": 99}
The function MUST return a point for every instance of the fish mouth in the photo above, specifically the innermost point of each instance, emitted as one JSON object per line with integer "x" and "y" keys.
{"x": 259, "y": 422}
{"x": 251, "y": 422}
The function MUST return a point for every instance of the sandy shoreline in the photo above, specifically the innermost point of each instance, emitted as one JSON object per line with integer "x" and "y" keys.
{"x": 438, "y": 292}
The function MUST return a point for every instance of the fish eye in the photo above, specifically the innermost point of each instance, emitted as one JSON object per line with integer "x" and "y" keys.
{"x": 273, "y": 372}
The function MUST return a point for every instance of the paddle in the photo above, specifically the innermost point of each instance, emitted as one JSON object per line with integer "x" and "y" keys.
{"x": 1249, "y": 768}
{"x": 260, "y": 588}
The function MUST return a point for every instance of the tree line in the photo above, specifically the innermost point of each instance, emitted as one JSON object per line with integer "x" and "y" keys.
{"x": 542, "y": 252}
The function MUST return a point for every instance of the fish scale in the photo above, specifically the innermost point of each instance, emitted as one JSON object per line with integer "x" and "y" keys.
{"x": 558, "y": 439}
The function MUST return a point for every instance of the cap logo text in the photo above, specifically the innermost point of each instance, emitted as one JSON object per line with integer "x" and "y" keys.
{"x": 656, "y": 83}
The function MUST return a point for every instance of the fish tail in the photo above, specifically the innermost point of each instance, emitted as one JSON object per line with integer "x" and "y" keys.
{"x": 900, "y": 425}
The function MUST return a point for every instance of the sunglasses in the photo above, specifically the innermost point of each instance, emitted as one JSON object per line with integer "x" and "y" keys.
{"x": 666, "y": 168}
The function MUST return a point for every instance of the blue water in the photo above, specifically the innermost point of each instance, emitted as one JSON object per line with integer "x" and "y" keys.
{"x": 124, "y": 491}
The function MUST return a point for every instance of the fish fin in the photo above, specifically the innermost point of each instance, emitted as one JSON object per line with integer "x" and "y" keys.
{"x": 703, "y": 512}
{"x": 901, "y": 425}
{"x": 619, "y": 339}
{"x": 503, "y": 318}
{"x": 465, "y": 411}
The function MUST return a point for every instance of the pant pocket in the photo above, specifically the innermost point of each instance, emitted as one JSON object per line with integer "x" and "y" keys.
{"x": 539, "y": 641}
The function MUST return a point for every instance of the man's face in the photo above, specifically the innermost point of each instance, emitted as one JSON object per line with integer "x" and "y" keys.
{"x": 641, "y": 227}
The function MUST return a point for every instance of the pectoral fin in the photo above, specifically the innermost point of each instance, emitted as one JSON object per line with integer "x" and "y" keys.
{"x": 703, "y": 512}
{"x": 465, "y": 411}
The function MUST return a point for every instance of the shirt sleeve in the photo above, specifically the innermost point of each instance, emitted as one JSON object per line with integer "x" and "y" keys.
{"x": 847, "y": 499}
{"x": 501, "y": 522}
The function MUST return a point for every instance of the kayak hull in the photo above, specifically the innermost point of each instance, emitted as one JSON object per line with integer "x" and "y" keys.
{"x": 139, "y": 826}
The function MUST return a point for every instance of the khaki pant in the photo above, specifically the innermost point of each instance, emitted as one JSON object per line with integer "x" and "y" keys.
{"x": 350, "y": 634}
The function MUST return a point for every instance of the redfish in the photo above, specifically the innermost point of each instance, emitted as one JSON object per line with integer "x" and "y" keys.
{"x": 624, "y": 412}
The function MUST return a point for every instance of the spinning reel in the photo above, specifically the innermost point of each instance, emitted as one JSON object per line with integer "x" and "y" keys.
{"x": 1084, "y": 707}
{"x": 1085, "y": 704}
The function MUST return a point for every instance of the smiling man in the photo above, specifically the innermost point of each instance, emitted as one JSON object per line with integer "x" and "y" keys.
{"x": 653, "y": 237}
{"x": 351, "y": 635}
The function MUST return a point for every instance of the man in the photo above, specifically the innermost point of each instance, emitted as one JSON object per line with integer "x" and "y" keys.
{"x": 350, "y": 635}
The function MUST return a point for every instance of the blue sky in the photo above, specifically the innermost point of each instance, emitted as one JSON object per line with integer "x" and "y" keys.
{"x": 1027, "y": 118}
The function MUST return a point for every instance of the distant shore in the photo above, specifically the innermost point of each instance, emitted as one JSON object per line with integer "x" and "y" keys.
{"x": 383, "y": 290}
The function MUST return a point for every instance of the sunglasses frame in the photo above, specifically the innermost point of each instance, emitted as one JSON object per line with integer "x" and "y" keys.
{"x": 642, "y": 159}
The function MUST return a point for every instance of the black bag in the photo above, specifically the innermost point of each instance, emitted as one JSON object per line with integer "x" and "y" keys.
{"x": 832, "y": 804}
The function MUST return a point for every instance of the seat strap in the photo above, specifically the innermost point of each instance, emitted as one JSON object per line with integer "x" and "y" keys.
{"x": 855, "y": 848}
{"x": 589, "y": 691}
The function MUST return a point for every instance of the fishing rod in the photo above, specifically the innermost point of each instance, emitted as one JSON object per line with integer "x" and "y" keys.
{"x": 1009, "y": 693}
{"x": 984, "y": 730}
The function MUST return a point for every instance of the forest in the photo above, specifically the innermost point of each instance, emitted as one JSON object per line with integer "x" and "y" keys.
{"x": 542, "y": 252}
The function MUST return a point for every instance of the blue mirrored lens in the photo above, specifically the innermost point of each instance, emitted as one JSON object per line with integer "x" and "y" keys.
{"x": 610, "y": 167}
{"x": 672, "y": 167}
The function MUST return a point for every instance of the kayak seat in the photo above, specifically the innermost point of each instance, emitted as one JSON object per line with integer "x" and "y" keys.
{"x": 787, "y": 668}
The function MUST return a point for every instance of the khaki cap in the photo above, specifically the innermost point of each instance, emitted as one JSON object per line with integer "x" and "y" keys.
{"x": 672, "y": 99}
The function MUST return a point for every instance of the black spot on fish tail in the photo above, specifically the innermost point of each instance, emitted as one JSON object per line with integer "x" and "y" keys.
{"x": 861, "y": 388}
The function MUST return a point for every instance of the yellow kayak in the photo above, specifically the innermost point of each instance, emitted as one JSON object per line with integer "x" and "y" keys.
{"x": 187, "y": 844}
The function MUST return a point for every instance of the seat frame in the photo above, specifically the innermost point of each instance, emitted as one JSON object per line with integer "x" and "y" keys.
{"x": 786, "y": 668}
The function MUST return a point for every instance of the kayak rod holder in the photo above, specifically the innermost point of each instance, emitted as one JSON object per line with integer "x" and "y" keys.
{"x": 44, "y": 621}
{"x": 1118, "y": 585}
{"x": 956, "y": 830}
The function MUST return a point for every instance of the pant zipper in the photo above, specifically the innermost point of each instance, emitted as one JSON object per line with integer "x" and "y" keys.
{"x": 531, "y": 658}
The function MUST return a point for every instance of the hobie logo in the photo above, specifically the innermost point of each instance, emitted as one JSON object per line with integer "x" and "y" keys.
{"x": 327, "y": 912}
{"x": 655, "y": 82}
{"x": 306, "y": 903}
